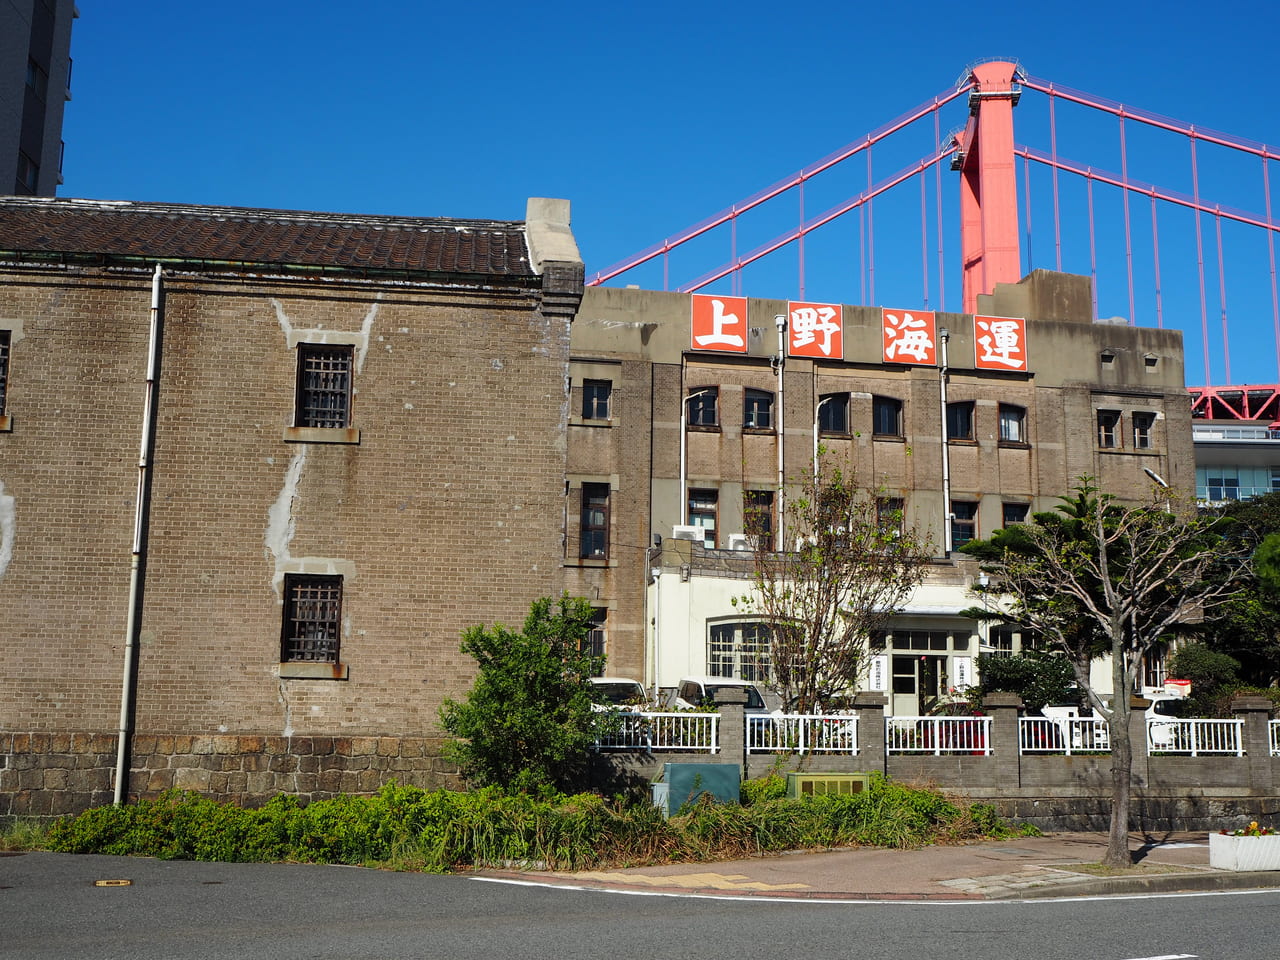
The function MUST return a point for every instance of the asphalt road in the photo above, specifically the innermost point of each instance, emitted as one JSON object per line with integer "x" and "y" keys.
{"x": 50, "y": 907}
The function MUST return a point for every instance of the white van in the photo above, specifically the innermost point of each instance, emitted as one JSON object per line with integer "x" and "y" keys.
{"x": 693, "y": 692}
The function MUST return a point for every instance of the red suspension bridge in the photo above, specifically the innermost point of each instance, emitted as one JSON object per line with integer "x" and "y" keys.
{"x": 1173, "y": 223}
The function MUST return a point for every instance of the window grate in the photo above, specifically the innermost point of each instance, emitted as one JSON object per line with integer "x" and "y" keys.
{"x": 324, "y": 386}
{"x": 312, "y": 619}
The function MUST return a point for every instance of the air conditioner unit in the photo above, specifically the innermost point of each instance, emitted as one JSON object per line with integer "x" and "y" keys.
{"x": 681, "y": 532}
{"x": 816, "y": 784}
{"x": 740, "y": 541}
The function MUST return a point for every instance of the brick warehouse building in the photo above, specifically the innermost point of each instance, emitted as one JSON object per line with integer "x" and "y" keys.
{"x": 357, "y": 450}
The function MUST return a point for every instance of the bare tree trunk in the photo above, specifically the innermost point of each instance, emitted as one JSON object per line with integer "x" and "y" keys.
{"x": 1121, "y": 758}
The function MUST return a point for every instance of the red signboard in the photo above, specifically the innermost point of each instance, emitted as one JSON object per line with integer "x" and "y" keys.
{"x": 1000, "y": 343}
{"x": 719, "y": 323}
{"x": 815, "y": 330}
{"x": 910, "y": 337}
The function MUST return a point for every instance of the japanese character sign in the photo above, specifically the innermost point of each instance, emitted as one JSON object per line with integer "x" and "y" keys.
{"x": 909, "y": 337}
{"x": 1000, "y": 343}
{"x": 815, "y": 330}
{"x": 719, "y": 323}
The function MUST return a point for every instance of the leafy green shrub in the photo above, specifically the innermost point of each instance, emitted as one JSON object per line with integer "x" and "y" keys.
{"x": 772, "y": 787}
{"x": 527, "y": 723}
{"x": 410, "y": 828}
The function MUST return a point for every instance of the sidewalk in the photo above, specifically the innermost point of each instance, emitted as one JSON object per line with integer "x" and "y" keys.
{"x": 1033, "y": 867}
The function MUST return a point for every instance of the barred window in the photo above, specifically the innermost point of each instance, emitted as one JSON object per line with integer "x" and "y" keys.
{"x": 312, "y": 619}
{"x": 739, "y": 650}
{"x": 5, "y": 336}
{"x": 595, "y": 642}
{"x": 324, "y": 385}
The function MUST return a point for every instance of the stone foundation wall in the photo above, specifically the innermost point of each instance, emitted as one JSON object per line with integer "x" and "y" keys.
{"x": 44, "y": 775}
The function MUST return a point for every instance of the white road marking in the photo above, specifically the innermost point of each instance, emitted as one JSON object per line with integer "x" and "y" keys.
{"x": 903, "y": 902}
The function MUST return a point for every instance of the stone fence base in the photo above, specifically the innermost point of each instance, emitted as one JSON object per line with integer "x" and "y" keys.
{"x": 51, "y": 774}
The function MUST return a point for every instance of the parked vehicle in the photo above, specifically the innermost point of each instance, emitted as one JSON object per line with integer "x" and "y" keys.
{"x": 618, "y": 693}
{"x": 694, "y": 692}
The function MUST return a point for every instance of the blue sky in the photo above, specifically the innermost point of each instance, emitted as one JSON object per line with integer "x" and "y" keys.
{"x": 649, "y": 117}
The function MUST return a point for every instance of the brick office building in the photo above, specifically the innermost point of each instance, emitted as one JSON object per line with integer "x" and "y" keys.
{"x": 678, "y": 430}
{"x": 356, "y": 451}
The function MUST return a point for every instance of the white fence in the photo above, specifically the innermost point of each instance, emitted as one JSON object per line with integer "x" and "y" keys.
{"x": 938, "y": 735}
{"x": 1196, "y": 737}
{"x": 802, "y": 733}
{"x": 663, "y": 731}
{"x": 1065, "y": 736}
{"x": 1273, "y": 734}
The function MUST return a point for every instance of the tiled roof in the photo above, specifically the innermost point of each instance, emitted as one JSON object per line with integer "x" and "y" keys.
{"x": 110, "y": 229}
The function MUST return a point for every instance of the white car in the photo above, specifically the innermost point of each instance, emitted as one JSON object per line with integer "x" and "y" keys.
{"x": 694, "y": 692}
{"x": 618, "y": 693}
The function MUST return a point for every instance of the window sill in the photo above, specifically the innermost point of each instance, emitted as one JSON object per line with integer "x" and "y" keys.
{"x": 589, "y": 562}
{"x": 836, "y": 434}
{"x": 591, "y": 421}
{"x": 6, "y": 424}
{"x": 703, "y": 428}
{"x": 962, "y": 441}
{"x": 1014, "y": 445}
{"x": 311, "y": 670}
{"x": 322, "y": 434}
{"x": 888, "y": 438}
{"x": 758, "y": 431}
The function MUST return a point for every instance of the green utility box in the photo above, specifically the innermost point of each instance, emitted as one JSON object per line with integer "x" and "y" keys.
{"x": 816, "y": 784}
{"x": 686, "y": 782}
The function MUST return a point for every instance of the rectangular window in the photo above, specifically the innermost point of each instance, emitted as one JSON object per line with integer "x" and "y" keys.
{"x": 593, "y": 644}
{"x": 1142, "y": 427}
{"x": 595, "y": 399}
{"x": 757, "y": 511}
{"x": 889, "y": 516}
{"x": 964, "y": 522}
{"x": 1109, "y": 429}
{"x": 1000, "y": 639}
{"x": 833, "y": 413}
{"x": 886, "y": 417}
{"x": 1014, "y": 513}
{"x": 703, "y": 407}
{"x": 702, "y": 513}
{"x": 1013, "y": 424}
{"x": 739, "y": 651}
{"x": 960, "y": 420}
{"x": 5, "y": 336}
{"x": 28, "y": 175}
{"x": 594, "y": 532}
{"x": 757, "y": 410}
{"x": 37, "y": 79}
{"x": 312, "y": 619}
{"x": 324, "y": 386}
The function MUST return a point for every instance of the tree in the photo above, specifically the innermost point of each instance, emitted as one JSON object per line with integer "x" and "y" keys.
{"x": 1036, "y": 677}
{"x": 527, "y": 723}
{"x": 1097, "y": 578}
{"x": 822, "y": 604}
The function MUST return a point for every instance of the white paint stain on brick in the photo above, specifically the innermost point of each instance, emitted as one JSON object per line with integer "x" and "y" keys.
{"x": 280, "y": 524}
{"x": 365, "y": 328}
{"x": 7, "y": 528}
{"x": 285, "y": 326}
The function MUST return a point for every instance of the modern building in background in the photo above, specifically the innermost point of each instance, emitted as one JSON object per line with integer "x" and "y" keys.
{"x": 35, "y": 83}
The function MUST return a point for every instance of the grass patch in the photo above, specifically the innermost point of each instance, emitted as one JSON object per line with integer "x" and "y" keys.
{"x": 21, "y": 835}
{"x": 406, "y": 828}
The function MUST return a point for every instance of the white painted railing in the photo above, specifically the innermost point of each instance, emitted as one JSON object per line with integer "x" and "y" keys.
{"x": 802, "y": 733}
{"x": 1273, "y": 733}
{"x": 1195, "y": 737}
{"x": 663, "y": 731}
{"x": 938, "y": 735}
{"x": 1067, "y": 735}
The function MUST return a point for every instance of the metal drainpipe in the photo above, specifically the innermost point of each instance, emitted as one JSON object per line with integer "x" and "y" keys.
{"x": 943, "y": 338}
{"x": 781, "y": 322}
{"x": 135, "y": 579}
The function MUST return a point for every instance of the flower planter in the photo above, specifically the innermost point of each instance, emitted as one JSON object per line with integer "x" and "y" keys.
{"x": 1244, "y": 853}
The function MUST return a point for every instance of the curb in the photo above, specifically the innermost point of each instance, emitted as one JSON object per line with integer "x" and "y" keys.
{"x": 1165, "y": 883}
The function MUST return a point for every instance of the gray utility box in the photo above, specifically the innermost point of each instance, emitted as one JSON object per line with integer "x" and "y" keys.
{"x": 686, "y": 782}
